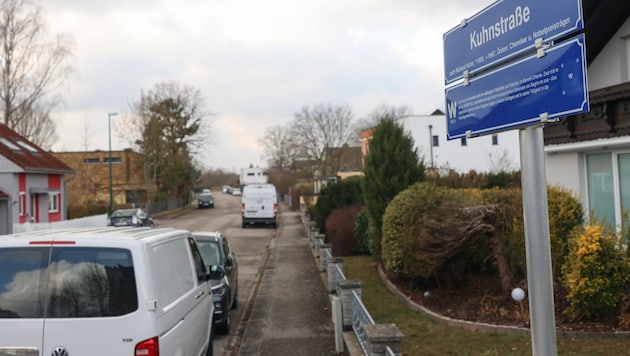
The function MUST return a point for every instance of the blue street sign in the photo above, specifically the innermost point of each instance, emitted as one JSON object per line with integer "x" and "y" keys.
{"x": 505, "y": 29}
{"x": 521, "y": 93}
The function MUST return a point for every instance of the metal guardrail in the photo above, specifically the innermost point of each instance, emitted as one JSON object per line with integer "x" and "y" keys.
{"x": 389, "y": 351}
{"x": 360, "y": 318}
{"x": 360, "y": 314}
{"x": 339, "y": 276}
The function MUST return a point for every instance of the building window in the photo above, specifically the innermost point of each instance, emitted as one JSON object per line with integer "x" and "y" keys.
{"x": 463, "y": 141}
{"x": 26, "y": 145}
{"x": 95, "y": 160}
{"x": 495, "y": 140}
{"x": 114, "y": 160}
{"x": 22, "y": 203}
{"x": 436, "y": 141}
{"x": 601, "y": 195}
{"x": 53, "y": 202}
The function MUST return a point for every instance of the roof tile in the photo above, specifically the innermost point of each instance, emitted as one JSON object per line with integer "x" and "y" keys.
{"x": 26, "y": 154}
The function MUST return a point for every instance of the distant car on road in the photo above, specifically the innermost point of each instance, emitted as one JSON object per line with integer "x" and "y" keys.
{"x": 205, "y": 200}
{"x": 215, "y": 251}
{"x": 130, "y": 217}
{"x": 227, "y": 189}
{"x": 236, "y": 191}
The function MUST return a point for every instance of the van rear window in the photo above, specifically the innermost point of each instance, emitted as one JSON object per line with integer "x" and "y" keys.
{"x": 71, "y": 282}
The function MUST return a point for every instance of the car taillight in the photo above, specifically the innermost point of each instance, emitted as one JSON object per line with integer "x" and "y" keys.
{"x": 275, "y": 208}
{"x": 149, "y": 347}
{"x": 242, "y": 208}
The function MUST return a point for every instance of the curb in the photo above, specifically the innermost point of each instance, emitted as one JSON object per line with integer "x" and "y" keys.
{"x": 491, "y": 328}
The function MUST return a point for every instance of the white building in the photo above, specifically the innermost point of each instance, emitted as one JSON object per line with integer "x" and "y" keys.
{"x": 589, "y": 153}
{"x": 491, "y": 153}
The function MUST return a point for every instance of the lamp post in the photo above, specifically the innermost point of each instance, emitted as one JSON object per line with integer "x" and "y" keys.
{"x": 109, "y": 131}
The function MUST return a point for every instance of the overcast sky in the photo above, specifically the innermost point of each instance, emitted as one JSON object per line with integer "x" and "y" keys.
{"x": 255, "y": 62}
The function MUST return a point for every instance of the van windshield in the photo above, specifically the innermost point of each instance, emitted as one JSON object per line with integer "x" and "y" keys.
{"x": 71, "y": 282}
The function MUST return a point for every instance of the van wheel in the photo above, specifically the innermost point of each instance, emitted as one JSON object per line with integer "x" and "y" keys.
{"x": 224, "y": 328}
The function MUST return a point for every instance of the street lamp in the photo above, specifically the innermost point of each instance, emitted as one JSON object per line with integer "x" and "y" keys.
{"x": 111, "y": 192}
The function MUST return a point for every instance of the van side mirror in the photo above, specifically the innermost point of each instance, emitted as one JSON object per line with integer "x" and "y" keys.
{"x": 215, "y": 272}
{"x": 229, "y": 261}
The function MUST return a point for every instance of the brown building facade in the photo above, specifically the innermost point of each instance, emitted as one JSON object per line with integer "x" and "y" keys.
{"x": 90, "y": 183}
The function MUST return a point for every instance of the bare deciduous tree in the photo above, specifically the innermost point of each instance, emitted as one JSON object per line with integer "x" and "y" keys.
{"x": 500, "y": 161}
{"x": 320, "y": 128}
{"x": 32, "y": 68}
{"x": 384, "y": 110}
{"x": 279, "y": 148}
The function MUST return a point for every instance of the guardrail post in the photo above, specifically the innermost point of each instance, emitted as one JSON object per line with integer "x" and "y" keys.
{"x": 333, "y": 276}
{"x": 315, "y": 239}
{"x": 380, "y": 336}
{"x": 319, "y": 241}
{"x": 346, "y": 288}
{"x": 325, "y": 252}
{"x": 337, "y": 323}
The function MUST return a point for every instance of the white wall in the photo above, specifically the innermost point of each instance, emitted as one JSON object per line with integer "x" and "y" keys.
{"x": 562, "y": 169}
{"x": 479, "y": 153}
{"x": 611, "y": 66}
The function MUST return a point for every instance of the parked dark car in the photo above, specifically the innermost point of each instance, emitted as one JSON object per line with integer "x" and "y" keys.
{"x": 215, "y": 250}
{"x": 130, "y": 217}
{"x": 205, "y": 200}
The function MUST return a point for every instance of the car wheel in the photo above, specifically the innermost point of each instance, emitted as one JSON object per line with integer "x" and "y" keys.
{"x": 224, "y": 327}
{"x": 235, "y": 301}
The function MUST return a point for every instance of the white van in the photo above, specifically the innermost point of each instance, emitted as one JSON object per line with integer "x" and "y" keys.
{"x": 259, "y": 204}
{"x": 104, "y": 291}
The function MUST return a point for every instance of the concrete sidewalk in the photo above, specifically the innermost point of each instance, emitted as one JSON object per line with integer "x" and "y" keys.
{"x": 291, "y": 314}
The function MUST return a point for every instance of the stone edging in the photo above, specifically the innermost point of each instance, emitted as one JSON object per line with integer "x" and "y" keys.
{"x": 491, "y": 328}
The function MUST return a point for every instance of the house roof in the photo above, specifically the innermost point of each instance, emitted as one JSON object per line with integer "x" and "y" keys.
{"x": 27, "y": 155}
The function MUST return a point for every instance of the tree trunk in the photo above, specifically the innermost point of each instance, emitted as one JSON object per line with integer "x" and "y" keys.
{"x": 494, "y": 242}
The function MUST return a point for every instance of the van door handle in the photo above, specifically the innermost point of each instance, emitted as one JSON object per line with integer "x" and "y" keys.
{"x": 200, "y": 295}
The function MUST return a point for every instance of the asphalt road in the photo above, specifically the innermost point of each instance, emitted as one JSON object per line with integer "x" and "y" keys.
{"x": 251, "y": 246}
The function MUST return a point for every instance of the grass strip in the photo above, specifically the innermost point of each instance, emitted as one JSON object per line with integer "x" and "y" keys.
{"x": 424, "y": 336}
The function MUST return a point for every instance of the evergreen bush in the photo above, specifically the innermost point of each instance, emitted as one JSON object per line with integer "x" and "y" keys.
{"x": 334, "y": 196}
{"x": 595, "y": 271}
{"x": 361, "y": 233}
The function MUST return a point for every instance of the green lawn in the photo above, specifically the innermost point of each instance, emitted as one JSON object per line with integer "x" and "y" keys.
{"x": 424, "y": 336}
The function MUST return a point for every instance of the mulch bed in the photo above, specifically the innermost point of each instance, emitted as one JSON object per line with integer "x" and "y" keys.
{"x": 481, "y": 301}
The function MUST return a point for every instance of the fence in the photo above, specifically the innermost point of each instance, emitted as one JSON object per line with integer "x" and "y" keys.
{"x": 88, "y": 221}
{"x": 164, "y": 205}
{"x": 372, "y": 338}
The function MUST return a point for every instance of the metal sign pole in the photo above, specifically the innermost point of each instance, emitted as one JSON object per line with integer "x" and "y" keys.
{"x": 537, "y": 245}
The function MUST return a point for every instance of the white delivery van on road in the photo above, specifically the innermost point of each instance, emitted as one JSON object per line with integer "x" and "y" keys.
{"x": 259, "y": 204}
{"x": 105, "y": 291}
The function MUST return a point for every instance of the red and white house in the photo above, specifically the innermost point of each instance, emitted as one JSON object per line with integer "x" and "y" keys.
{"x": 32, "y": 185}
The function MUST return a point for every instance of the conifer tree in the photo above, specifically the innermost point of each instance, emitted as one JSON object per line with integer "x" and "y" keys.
{"x": 391, "y": 165}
